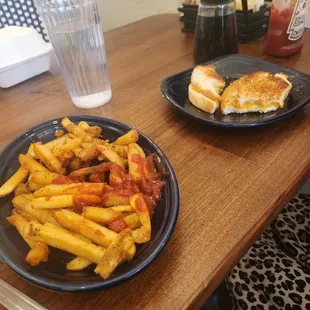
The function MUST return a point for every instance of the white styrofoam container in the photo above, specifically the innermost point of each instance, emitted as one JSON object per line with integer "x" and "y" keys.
{"x": 23, "y": 54}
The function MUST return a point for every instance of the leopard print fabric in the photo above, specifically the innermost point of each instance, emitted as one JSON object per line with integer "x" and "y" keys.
{"x": 275, "y": 273}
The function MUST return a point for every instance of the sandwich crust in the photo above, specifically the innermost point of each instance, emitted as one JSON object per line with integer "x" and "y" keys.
{"x": 206, "y": 81}
{"x": 205, "y": 88}
{"x": 201, "y": 102}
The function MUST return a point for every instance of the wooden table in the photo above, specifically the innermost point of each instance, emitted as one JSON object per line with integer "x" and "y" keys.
{"x": 232, "y": 182}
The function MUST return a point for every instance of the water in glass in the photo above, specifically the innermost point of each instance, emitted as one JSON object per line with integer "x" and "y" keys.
{"x": 76, "y": 34}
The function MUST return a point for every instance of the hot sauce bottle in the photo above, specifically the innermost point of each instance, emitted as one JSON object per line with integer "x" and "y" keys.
{"x": 286, "y": 26}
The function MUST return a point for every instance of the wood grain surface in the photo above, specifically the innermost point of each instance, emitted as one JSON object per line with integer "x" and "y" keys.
{"x": 232, "y": 182}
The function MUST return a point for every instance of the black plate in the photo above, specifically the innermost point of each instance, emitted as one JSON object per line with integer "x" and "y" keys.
{"x": 175, "y": 89}
{"x": 53, "y": 274}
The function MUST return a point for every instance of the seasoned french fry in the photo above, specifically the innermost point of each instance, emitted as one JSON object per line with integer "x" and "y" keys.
{"x": 138, "y": 203}
{"x": 18, "y": 177}
{"x": 142, "y": 234}
{"x": 37, "y": 254}
{"x": 47, "y": 157}
{"x": 27, "y": 216}
{"x": 75, "y": 164}
{"x": 65, "y": 201}
{"x": 76, "y": 151}
{"x": 128, "y": 243}
{"x": 94, "y": 131}
{"x": 49, "y": 224}
{"x": 133, "y": 166}
{"x": 30, "y": 151}
{"x": 116, "y": 253}
{"x": 42, "y": 177}
{"x": 111, "y": 155}
{"x": 101, "y": 215}
{"x": 90, "y": 170}
{"x": 131, "y": 136}
{"x": 86, "y": 145}
{"x": 139, "y": 149}
{"x": 33, "y": 186}
{"x": 59, "y": 133}
{"x": 78, "y": 263}
{"x": 23, "y": 203}
{"x": 53, "y": 202}
{"x": 101, "y": 157}
{"x": 115, "y": 178}
{"x": 77, "y": 223}
{"x": 29, "y": 196}
{"x": 22, "y": 188}
{"x": 89, "y": 153}
{"x": 99, "y": 141}
{"x": 122, "y": 208}
{"x": 83, "y": 125}
{"x": 61, "y": 239}
{"x": 20, "y": 223}
{"x": 113, "y": 257}
{"x": 31, "y": 164}
{"x": 72, "y": 144}
{"x": 70, "y": 189}
{"x": 57, "y": 189}
{"x": 115, "y": 200}
{"x": 86, "y": 164}
{"x": 76, "y": 130}
{"x": 121, "y": 150}
{"x": 72, "y": 136}
{"x": 66, "y": 148}
{"x": 39, "y": 250}
{"x": 133, "y": 221}
{"x": 68, "y": 154}
{"x": 51, "y": 145}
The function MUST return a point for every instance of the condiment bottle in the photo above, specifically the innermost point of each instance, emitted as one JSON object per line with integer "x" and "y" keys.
{"x": 216, "y": 30}
{"x": 286, "y": 26}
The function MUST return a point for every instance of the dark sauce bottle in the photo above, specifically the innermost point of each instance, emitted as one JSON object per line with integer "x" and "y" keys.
{"x": 216, "y": 30}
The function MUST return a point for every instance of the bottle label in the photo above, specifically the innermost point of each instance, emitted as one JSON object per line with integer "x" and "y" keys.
{"x": 298, "y": 21}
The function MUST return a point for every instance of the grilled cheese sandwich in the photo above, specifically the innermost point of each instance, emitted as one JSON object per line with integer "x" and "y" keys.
{"x": 205, "y": 88}
{"x": 256, "y": 92}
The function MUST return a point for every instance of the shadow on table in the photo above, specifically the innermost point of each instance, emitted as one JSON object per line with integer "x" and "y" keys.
{"x": 242, "y": 142}
{"x": 219, "y": 300}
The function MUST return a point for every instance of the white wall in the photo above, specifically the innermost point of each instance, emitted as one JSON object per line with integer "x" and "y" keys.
{"x": 115, "y": 13}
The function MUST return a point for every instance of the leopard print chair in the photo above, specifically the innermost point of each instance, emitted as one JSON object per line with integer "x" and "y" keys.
{"x": 275, "y": 273}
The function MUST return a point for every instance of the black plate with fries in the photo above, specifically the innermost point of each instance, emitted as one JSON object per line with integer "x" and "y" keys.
{"x": 232, "y": 67}
{"x": 53, "y": 274}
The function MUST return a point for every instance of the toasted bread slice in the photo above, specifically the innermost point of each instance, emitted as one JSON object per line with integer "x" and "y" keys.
{"x": 201, "y": 101}
{"x": 256, "y": 92}
{"x": 205, "y": 88}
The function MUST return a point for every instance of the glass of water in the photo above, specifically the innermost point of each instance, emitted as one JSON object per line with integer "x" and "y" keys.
{"x": 75, "y": 31}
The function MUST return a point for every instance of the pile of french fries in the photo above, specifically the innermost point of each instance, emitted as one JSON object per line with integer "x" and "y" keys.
{"x": 84, "y": 195}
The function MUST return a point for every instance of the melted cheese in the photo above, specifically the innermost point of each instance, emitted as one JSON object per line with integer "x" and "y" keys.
{"x": 247, "y": 105}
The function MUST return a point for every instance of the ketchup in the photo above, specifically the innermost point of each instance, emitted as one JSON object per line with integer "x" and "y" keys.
{"x": 286, "y": 27}
{"x": 80, "y": 201}
{"x": 62, "y": 179}
{"x": 118, "y": 225}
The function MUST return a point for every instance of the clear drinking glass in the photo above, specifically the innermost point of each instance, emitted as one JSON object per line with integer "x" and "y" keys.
{"x": 75, "y": 31}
